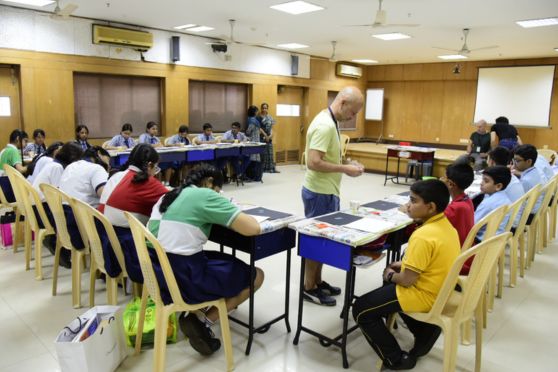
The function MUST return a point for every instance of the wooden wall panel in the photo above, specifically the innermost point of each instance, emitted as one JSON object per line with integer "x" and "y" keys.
{"x": 175, "y": 105}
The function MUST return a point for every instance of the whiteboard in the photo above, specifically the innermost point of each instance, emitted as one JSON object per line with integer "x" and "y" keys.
{"x": 522, "y": 94}
{"x": 374, "y": 108}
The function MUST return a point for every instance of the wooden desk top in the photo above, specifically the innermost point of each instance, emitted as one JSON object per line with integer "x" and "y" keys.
{"x": 381, "y": 149}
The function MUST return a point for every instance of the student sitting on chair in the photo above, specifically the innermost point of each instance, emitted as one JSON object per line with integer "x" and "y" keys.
{"x": 239, "y": 163}
{"x": 182, "y": 222}
{"x": 37, "y": 147}
{"x": 460, "y": 211}
{"x": 39, "y": 161}
{"x": 206, "y": 137}
{"x": 412, "y": 285}
{"x": 524, "y": 158}
{"x": 150, "y": 135}
{"x": 82, "y": 133}
{"x": 134, "y": 190}
{"x": 181, "y": 138}
{"x": 124, "y": 139}
{"x": 11, "y": 154}
{"x": 501, "y": 156}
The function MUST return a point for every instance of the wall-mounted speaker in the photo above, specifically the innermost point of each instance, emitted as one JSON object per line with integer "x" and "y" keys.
{"x": 175, "y": 48}
{"x": 294, "y": 65}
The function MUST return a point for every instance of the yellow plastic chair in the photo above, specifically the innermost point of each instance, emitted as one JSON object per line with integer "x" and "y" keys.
{"x": 162, "y": 311}
{"x": 548, "y": 154}
{"x": 18, "y": 225}
{"x": 452, "y": 308}
{"x": 552, "y": 210}
{"x": 29, "y": 198}
{"x": 55, "y": 197}
{"x": 547, "y": 218}
{"x": 535, "y": 229}
{"x": 166, "y": 141}
{"x": 105, "y": 144}
{"x": 87, "y": 216}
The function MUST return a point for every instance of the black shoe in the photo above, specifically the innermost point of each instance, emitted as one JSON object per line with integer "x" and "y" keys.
{"x": 50, "y": 243}
{"x": 65, "y": 259}
{"x": 423, "y": 345}
{"x": 318, "y": 297}
{"x": 275, "y": 171}
{"x": 406, "y": 362}
{"x": 200, "y": 337}
{"x": 328, "y": 289}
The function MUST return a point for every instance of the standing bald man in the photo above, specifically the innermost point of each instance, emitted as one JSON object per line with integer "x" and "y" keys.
{"x": 479, "y": 144}
{"x": 320, "y": 192}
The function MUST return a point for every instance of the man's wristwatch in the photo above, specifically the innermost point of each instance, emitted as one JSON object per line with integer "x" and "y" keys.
{"x": 389, "y": 276}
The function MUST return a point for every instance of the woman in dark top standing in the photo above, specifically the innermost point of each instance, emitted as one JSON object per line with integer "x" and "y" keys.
{"x": 503, "y": 134}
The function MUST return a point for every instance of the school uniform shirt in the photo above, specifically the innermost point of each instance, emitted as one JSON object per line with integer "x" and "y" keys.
{"x": 178, "y": 139}
{"x": 11, "y": 156}
{"x": 185, "y": 227}
{"x": 488, "y": 204}
{"x": 120, "y": 141}
{"x": 514, "y": 189}
{"x": 84, "y": 144}
{"x": 121, "y": 195}
{"x": 544, "y": 168}
{"x": 39, "y": 165}
{"x": 82, "y": 179}
{"x": 149, "y": 139}
{"x": 529, "y": 179}
{"x": 50, "y": 174}
{"x": 230, "y": 136}
{"x": 461, "y": 214}
{"x": 432, "y": 250}
{"x": 204, "y": 138}
{"x": 37, "y": 149}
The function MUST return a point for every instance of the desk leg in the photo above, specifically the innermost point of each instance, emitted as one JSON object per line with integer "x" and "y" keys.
{"x": 386, "y": 175}
{"x": 346, "y": 307}
{"x": 287, "y": 289}
{"x": 300, "y": 300}
{"x": 251, "y": 308}
{"x": 397, "y": 174}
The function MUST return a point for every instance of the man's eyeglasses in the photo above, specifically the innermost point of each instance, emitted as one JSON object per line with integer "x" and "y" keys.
{"x": 517, "y": 160}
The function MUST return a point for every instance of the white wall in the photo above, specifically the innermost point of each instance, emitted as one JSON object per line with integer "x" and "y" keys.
{"x": 31, "y": 30}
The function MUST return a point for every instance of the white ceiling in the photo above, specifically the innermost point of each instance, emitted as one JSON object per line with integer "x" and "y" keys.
{"x": 492, "y": 22}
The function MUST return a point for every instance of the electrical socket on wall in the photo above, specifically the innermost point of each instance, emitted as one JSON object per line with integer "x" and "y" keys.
{"x": 464, "y": 140}
{"x": 390, "y": 135}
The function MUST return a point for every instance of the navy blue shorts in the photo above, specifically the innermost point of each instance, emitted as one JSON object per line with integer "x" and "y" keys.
{"x": 131, "y": 259}
{"x": 318, "y": 204}
{"x": 72, "y": 226}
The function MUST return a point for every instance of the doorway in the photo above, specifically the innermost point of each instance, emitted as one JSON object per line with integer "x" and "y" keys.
{"x": 289, "y": 123}
{"x": 10, "y": 114}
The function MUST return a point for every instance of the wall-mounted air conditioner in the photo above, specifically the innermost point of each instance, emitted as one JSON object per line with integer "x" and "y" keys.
{"x": 122, "y": 36}
{"x": 348, "y": 70}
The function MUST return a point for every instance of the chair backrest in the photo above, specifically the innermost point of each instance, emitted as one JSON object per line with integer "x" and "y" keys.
{"x": 15, "y": 189}
{"x": 34, "y": 199}
{"x": 548, "y": 191}
{"x": 166, "y": 141}
{"x": 492, "y": 221}
{"x": 532, "y": 196}
{"x": 548, "y": 154}
{"x": 55, "y": 198}
{"x": 514, "y": 210}
{"x": 555, "y": 200}
{"x": 344, "y": 142}
{"x": 142, "y": 235}
{"x": 462, "y": 304}
{"x": 88, "y": 215}
{"x": 105, "y": 144}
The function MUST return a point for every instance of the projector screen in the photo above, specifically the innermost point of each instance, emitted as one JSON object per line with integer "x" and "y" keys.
{"x": 374, "y": 104}
{"x": 522, "y": 94}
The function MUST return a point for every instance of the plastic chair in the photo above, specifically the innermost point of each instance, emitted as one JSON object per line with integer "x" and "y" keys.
{"x": 162, "y": 311}
{"x": 552, "y": 210}
{"x": 87, "y": 216}
{"x": 105, "y": 144}
{"x": 452, "y": 308}
{"x": 55, "y": 197}
{"x": 535, "y": 229}
{"x": 14, "y": 206}
{"x": 548, "y": 218}
{"x": 166, "y": 141}
{"x": 548, "y": 154}
{"x": 29, "y": 198}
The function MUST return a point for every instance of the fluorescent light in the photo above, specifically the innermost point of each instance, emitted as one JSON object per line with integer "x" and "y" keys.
{"x": 297, "y": 7}
{"x": 556, "y": 49}
{"x": 292, "y": 46}
{"x": 189, "y": 25}
{"x": 391, "y": 36}
{"x": 200, "y": 29}
{"x": 31, "y": 2}
{"x": 364, "y": 61}
{"x": 452, "y": 56}
{"x": 538, "y": 22}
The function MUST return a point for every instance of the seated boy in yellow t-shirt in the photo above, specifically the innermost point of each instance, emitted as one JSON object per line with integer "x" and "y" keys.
{"x": 411, "y": 285}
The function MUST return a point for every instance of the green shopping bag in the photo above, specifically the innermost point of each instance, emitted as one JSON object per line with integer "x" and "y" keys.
{"x": 131, "y": 317}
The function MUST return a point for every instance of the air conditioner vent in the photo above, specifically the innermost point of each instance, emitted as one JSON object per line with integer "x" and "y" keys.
{"x": 122, "y": 36}
{"x": 348, "y": 70}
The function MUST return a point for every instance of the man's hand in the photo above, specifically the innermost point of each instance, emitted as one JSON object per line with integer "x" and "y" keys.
{"x": 353, "y": 170}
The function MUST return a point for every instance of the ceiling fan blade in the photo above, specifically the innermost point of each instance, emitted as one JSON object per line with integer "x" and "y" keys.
{"x": 68, "y": 10}
{"x": 486, "y": 47}
{"x": 400, "y": 25}
{"x": 367, "y": 25}
{"x": 449, "y": 50}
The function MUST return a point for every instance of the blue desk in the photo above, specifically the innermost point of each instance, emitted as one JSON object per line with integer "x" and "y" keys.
{"x": 258, "y": 247}
{"x": 225, "y": 152}
{"x": 251, "y": 150}
{"x": 200, "y": 155}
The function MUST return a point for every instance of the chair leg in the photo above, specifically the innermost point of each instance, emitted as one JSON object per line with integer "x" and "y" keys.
{"x": 160, "y": 347}
{"x": 226, "y": 334}
{"x": 478, "y": 339}
{"x": 521, "y": 240}
{"x": 39, "y": 254}
{"x": 136, "y": 289}
{"x": 76, "y": 278}
{"x": 27, "y": 245}
{"x": 17, "y": 229}
{"x": 501, "y": 260}
{"x": 450, "y": 347}
{"x": 112, "y": 291}
{"x": 141, "y": 320}
{"x": 544, "y": 230}
{"x": 491, "y": 289}
{"x": 55, "y": 268}
{"x": 513, "y": 262}
{"x": 466, "y": 332}
{"x": 92, "y": 281}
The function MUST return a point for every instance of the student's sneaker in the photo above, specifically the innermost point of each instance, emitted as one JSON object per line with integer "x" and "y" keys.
{"x": 201, "y": 337}
{"x": 405, "y": 362}
{"x": 317, "y": 296}
{"x": 329, "y": 289}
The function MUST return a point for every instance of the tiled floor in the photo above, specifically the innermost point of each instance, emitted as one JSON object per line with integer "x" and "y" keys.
{"x": 521, "y": 332}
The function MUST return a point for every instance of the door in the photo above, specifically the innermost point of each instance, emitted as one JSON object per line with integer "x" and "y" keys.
{"x": 10, "y": 117}
{"x": 287, "y": 130}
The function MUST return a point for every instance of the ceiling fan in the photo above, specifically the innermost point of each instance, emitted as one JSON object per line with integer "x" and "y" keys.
{"x": 380, "y": 20}
{"x": 63, "y": 12}
{"x": 464, "y": 51}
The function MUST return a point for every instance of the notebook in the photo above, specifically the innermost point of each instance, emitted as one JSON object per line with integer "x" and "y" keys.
{"x": 264, "y": 212}
{"x": 381, "y": 205}
{"x": 339, "y": 218}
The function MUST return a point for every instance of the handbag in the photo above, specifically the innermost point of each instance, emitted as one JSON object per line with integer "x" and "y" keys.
{"x": 6, "y": 235}
{"x": 93, "y": 342}
{"x": 131, "y": 318}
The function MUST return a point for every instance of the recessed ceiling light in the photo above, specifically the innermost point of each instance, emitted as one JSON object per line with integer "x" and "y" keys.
{"x": 189, "y": 25}
{"x": 199, "y": 29}
{"x": 31, "y": 2}
{"x": 297, "y": 7}
{"x": 452, "y": 56}
{"x": 292, "y": 46}
{"x": 538, "y": 22}
{"x": 364, "y": 61}
{"x": 391, "y": 36}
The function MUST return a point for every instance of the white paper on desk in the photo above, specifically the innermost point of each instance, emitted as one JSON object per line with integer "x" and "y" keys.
{"x": 371, "y": 225}
{"x": 260, "y": 218}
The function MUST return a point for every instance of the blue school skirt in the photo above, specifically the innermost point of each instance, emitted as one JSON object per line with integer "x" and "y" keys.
{"x": 205, "y": 276}
{"x": 72, "y": 226}
{"x": 131, "y": 259}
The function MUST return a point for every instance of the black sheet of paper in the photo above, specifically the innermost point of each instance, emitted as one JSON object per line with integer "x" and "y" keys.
{"x": 381, "y": 205}
{"x": 273, "y": 215}
{"x": 339, "y": 218}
